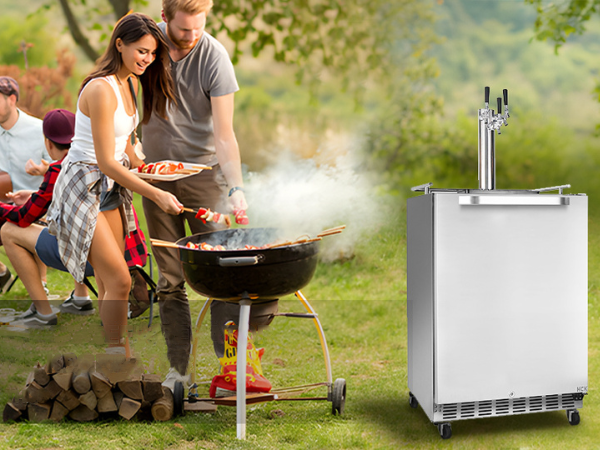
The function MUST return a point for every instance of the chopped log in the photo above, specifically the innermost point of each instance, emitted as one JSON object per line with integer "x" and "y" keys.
{"x": 59, "y": 412}
{"x": 107, "y": 404}
{"x": 152, "y": 388}
{"x": 81, "y": 377}
{"x": 145, "y": 413}
{"x": 162, "y": 409}
{"x": 118, "y": 396}
{"x": 11, "y": 412}
{"x": 100, "y": 384}
{"x": 38, "y": 412}
{"x": 29, "y": 379}
{"x": 129, "y": 408}
{"x": 20, "y": 403}
{"x": 89, "y": 399}
{"x": 56, "y": 363}
{"x": 83, "y": 414}
{"x": 70, "y": 359}
{"x": 52, "y": 389}
{"x": 69, "y": 400}
{"x": 115, "y": 367}
{"x": 40, "y": 376}
{"x": 131, "y": 389}
{"x": 151, "y": 377}
{"x": 36, "y": 393}
{"x": 63, "y": 378}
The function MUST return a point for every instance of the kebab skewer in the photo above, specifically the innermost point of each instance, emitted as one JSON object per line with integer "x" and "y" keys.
{"x": 206, "y": 215}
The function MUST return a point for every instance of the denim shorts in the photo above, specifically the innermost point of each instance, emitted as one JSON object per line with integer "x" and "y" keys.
{"x": 110, "y": 200}
{"x": 46, "y": 248}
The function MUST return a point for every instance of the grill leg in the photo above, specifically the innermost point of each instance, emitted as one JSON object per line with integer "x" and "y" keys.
{"x": 242, "y": 343}
{"x": 195, "y": 341}
{"x": 321, "y": 333}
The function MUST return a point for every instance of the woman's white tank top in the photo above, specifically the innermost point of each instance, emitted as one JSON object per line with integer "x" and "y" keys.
{"x": 82, "y": 147}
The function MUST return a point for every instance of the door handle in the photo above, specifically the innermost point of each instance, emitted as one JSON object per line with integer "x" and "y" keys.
{"x": 513, "y": 200}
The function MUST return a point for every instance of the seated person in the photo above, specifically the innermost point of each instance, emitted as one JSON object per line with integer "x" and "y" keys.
{"x": 20, "y": 233}
{"x": 21, "y": 139}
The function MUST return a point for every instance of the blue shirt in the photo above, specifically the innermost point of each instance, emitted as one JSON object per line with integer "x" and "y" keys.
{"x": 25, "y": 140}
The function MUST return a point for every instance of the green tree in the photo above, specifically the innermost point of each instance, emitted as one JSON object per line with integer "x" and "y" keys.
{"x": 17, "y": 36}
{"x": 350, "y": 40}
{"x": 557, "y": 21}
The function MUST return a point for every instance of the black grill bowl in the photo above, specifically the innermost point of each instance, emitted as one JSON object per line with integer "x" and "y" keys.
{"x": 265, "y": 274}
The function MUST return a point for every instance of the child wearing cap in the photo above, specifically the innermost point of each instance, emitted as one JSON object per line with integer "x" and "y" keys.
{"x": 20, "y": 233}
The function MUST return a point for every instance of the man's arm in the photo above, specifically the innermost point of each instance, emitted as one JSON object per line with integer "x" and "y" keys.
{"x": 227, "y": 149}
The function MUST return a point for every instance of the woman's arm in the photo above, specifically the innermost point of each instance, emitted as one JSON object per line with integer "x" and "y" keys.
{"x": 99, "y": 103}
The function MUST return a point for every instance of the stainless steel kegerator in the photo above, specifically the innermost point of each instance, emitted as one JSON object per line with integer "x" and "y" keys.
{"x": 497, "y": 296}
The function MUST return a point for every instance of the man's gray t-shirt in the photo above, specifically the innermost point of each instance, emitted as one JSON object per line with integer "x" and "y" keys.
{"x": 187, "y": 135}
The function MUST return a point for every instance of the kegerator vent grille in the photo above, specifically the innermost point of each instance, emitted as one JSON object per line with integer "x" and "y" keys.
{"x": 536, "y": 403}
{"x": 519, "y": 405}
{"x": 485, "y": 408}
{"x": 450, "y": 411}
{"x": 567, "y": 401}
{"x": 502, "y": 406}
{"x": 552, "y": 402}
{"x": 505, "y": 406}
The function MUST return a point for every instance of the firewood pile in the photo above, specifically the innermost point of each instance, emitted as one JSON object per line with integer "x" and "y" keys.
{"x": 86, "y": 388}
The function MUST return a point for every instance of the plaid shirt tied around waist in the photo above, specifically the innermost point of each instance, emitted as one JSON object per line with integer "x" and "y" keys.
{"x": 73, "y": 214}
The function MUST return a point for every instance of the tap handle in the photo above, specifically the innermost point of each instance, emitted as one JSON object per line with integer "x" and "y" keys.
{"x": 499, "y": 106}
{"x": 505, "y": 92}
{"x": 487, "y": 95}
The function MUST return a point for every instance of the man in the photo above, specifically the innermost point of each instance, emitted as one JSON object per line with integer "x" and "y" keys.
{"x": 20, "y": 234}
{"x": 21, "y": 140}
{"x": 199, "y": 129}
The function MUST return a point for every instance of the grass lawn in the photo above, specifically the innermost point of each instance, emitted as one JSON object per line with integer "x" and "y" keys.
{"x": 362, "y": 306}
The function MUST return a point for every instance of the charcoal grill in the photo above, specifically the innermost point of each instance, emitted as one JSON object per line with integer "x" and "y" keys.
{"x": 247, "y": 276}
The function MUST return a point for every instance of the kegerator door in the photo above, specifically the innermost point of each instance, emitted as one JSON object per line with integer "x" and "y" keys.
{"x": 510, "y": 297}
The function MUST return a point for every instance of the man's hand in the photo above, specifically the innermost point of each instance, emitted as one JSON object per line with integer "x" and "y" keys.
{"x": 20, "y": 197}
{"x": 37, "y": 169}
{"x": 238, "y": 201}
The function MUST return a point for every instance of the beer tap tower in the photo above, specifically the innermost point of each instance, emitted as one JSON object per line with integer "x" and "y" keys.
{"x": 489, "y": 123}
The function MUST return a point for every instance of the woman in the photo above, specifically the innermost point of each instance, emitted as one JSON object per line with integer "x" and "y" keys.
{"x": 91, "y": 211}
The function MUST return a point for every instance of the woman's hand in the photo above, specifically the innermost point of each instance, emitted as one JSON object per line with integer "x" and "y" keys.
{"x": 168, "y": 202}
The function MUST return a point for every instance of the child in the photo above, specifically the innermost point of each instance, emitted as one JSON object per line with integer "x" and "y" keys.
{"x": 20, "y": 233}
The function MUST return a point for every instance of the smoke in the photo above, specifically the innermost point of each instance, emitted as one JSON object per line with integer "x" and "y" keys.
{"x": 307, "y": 196}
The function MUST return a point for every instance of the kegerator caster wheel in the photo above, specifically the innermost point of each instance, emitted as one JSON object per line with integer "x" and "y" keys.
{"x": 178, "y": 395}
{"x": 445, "y": 430}
{"x": 338, "y": 397}
{"x": 573, "y": 416}
{"x": 412, "y": 400}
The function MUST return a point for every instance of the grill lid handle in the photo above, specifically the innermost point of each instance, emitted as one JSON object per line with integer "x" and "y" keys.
{"x": 240, "y": 261}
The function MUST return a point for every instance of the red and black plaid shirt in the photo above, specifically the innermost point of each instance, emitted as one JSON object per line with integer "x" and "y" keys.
{"x": 35, "y": 208}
